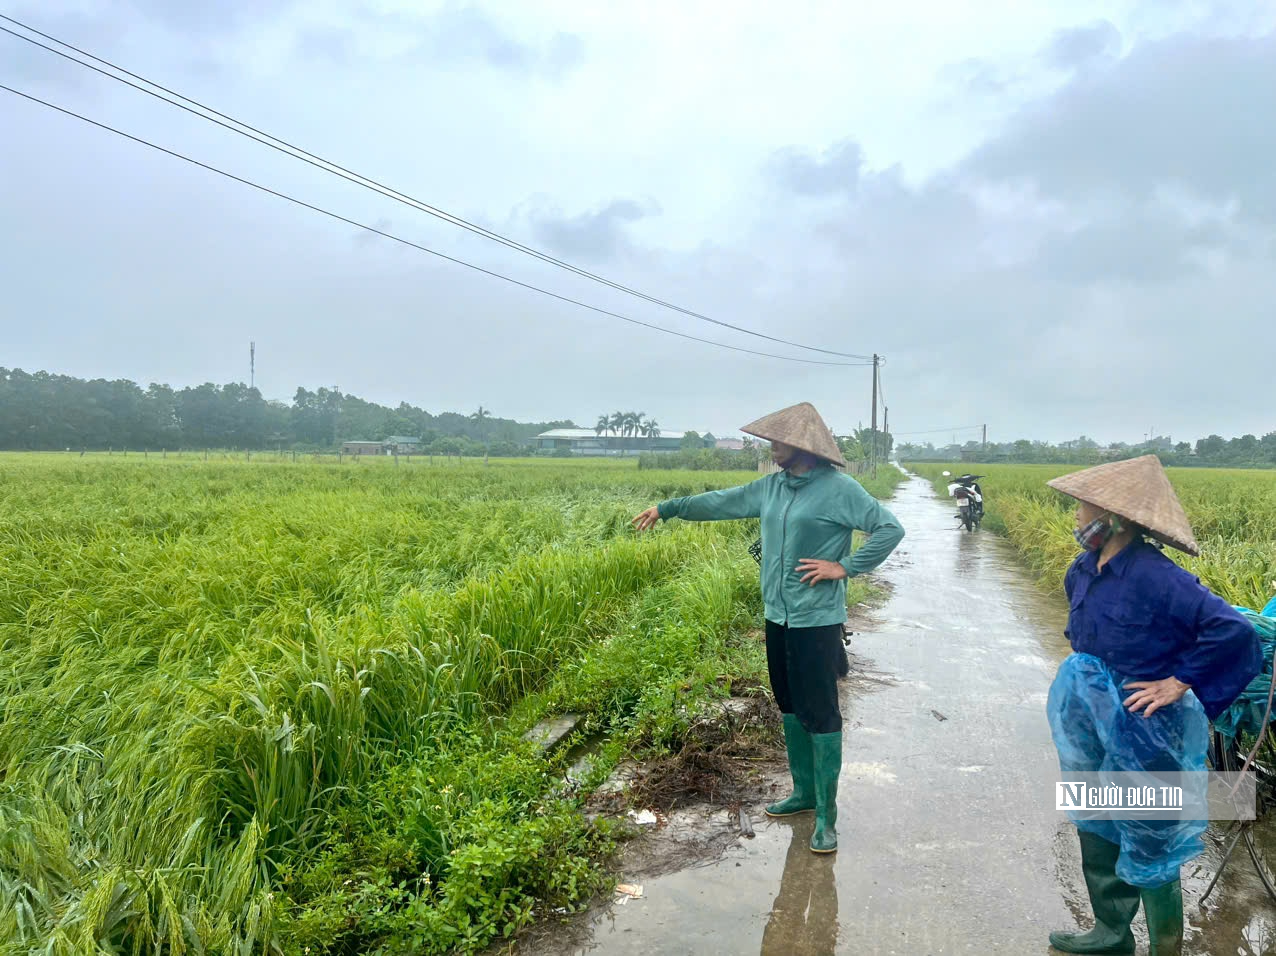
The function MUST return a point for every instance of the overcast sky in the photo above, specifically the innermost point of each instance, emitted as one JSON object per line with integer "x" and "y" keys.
{"x": 1054, "y": 218}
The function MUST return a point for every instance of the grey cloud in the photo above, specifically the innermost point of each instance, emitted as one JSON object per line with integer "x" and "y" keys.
{"x": 1145, "y": 246}
{"x": 110, "y": 28}
{"x": 1190, "y": 112}
{"x": 596, "y": 235}
{"x": 836, "y": 171}
{"x": 1070, "y": 50}
{"x": 456, "y": 34}
{"x": 195, "y": 17}
{"x": 977, "y": 76}
{"x": 987, "y": 287}
{"x": 460, "y": 33}
{"x": 1081, "y": 46}
{"x": 1148, "y": 173}
{"x": 83, "y": 28}
{"x": 332, "y": 46}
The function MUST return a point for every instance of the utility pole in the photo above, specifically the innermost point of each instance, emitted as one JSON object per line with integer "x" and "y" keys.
{"x": 873, "y": 453}
{"x": 985, "y": 448}
{"x": 252, "y": 364}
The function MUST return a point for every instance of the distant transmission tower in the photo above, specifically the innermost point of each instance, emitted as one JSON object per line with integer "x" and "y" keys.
{"x": 252, "y": 364}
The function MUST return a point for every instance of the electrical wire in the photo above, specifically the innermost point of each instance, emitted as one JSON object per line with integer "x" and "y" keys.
{"x": 408, "y": 242}
{"x": 266, "y": 139}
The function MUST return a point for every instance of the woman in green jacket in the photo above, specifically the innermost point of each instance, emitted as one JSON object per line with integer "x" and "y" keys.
{"x": 808, "y": 511}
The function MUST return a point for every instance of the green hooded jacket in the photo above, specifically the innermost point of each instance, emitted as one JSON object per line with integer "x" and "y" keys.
{"x": 803, "y": 516}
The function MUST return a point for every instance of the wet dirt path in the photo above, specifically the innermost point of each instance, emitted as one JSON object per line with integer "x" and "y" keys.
{"x": 949, "y": 840}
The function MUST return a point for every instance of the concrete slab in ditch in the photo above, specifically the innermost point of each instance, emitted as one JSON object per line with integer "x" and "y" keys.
{"x": 552, "y": 731}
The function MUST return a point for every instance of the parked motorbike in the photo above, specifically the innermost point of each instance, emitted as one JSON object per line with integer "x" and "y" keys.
{"x": 970, "y": 498}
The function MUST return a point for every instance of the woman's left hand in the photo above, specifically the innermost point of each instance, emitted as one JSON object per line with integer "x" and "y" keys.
{"x": 1155, "y": 694}
{"x": 813, "y": 570}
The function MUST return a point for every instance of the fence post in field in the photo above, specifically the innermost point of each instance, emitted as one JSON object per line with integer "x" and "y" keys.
{"x": 164, "y": 453}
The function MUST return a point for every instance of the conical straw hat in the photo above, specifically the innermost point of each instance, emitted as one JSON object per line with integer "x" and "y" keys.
{"x": 1139, "y": 490}
{"x": 800, "y": 426}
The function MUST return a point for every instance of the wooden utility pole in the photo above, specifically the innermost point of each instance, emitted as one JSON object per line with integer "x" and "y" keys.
{"x": 873, "y": 451}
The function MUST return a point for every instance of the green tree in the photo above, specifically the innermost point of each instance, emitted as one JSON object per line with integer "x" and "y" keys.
{"x": 1211, "y": 448}
{"x": 481, "y": 417}
{"x": 1268, "y": 448}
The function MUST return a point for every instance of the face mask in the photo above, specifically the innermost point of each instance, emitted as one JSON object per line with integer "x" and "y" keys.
{"x": 1094, "y": 535}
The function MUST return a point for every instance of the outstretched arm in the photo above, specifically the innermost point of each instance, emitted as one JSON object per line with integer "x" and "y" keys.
{"x": 743, "y": 501}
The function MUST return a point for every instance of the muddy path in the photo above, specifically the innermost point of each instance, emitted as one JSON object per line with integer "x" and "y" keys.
{"x": 949, "y": 840}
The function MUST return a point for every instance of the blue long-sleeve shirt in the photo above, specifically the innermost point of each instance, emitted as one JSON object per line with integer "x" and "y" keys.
{"x": 1149, "y": 619}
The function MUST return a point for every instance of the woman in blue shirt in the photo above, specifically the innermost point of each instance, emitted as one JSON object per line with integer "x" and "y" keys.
{"x": 1157, "y": 657}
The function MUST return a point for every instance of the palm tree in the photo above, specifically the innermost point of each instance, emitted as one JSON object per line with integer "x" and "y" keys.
{"x": 651, "y": 428}
{"x": 603, "y": 424}
{"x": 481, "y": 416}
{"x": 617, "y": 421}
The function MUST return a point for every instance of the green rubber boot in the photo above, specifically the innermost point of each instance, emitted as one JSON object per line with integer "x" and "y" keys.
{"x": 1163, "y": 906}
{"x": 798, "y": 743}
{"x": 1113, "y": 900}
{"x": 828, "y": 767}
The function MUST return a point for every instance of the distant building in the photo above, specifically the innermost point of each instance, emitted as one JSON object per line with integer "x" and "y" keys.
{"x": 586, "y": 441}
{"x": 402, "y": 445}
{"x": 362, "y": 448}
{"x": 394, "y": 445}
{"x": 730, "y": 444}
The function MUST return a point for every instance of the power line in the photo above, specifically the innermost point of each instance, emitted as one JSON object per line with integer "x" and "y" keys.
{"x": 297, "y": 152}
{"x": 408, "y": 242}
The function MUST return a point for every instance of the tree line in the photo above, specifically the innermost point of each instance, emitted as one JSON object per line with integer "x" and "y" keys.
{"x": 41, "y": 411}
{"x": 1246, "y": 451}
{"x": 626, "y": 424}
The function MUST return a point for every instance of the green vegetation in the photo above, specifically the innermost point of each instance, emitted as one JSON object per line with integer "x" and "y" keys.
{"x": 44, "y": 412}
{"x": 1233, "y": 513}
{"x": 1245, "y": 451}
{"x": 278, "y": 707}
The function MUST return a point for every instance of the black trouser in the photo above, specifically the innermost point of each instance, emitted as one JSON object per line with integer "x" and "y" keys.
{"x": 804, "y": 666}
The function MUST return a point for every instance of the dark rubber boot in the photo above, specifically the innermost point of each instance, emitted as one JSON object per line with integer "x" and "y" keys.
{"x": 828, "y": 767}
{"x": 801, "y": 765}
{"x": 1163, "y": 906}
{"x": 1113, "y": 901}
